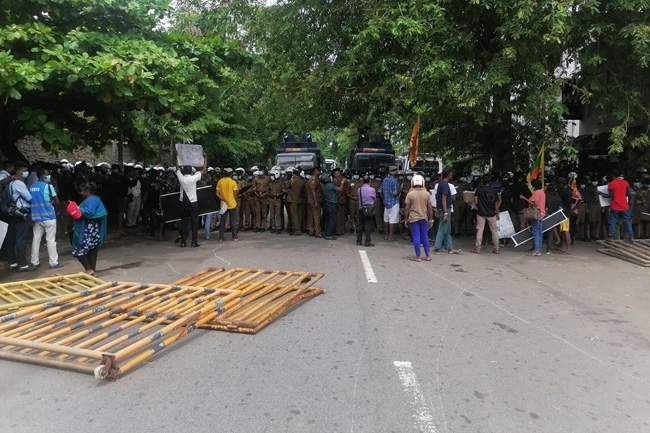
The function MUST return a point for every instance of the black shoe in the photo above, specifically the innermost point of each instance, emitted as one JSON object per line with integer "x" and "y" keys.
{"x": 195, "y": 245}
{"x": 330, "y": 238}
{"x": 177, "y": 240}
{"x": 368, "y": 244}
{"x": 318, "y": 236}
{"x": 183, "y": 244}
{"x": 277, "y": 232}
{"x": 358, "y": 241}
{"x": 262, "y": 230}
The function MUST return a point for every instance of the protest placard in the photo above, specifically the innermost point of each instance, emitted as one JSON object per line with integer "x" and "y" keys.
{"x": 505, "y": 228}
{"x": 604, "y": 201}
{"x": 190, "y": 154}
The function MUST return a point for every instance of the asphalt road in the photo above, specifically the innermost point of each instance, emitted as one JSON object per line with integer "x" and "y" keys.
{"x": 472, "y": 343}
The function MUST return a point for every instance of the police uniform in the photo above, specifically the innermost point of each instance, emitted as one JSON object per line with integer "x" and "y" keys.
{"x": 341, "y": 207}
{"x": 275, "y": 192}
{"x": 261, "y": 187}
{"x": 353, "y": 202}
{"x": 314, "y": 189}
{"x": 295, "y": 200}
{"x": 379, "y": 204}
{"x": 245, "y": 204}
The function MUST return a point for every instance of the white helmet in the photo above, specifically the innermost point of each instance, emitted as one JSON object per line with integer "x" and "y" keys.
{"x": 275, "y": 174}
{"x": 137, "y": 166}
{"x": 254, "y": 168}
{"x": 417, "y": 180}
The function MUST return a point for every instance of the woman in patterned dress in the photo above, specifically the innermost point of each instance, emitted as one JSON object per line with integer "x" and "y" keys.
{"x": 89, "y": 229}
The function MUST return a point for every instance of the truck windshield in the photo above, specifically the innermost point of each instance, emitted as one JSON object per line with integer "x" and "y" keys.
{"x": 305, "y": 161}
{"x": 372, "y": 161}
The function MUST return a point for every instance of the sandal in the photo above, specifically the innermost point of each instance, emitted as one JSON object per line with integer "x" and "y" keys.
{"x": 533, "y": 254}
{"x": 416, "y": 259}
{"x": 427, "y": 258}
{"x": 454, "y": 251}
{"x": 475, "y": 251}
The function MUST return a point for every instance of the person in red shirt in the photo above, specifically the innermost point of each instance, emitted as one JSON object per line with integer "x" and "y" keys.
{"x": 620, "y": 206}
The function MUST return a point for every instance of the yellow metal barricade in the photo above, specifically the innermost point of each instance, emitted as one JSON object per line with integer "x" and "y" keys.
{"x": 111, "y": 328}
{"x": 266, "y": 295}
{"x": 21, "y": 294}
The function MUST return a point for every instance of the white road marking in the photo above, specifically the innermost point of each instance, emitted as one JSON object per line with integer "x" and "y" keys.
{"x": 365, "y": 261}
{"x": 422, "y": 415}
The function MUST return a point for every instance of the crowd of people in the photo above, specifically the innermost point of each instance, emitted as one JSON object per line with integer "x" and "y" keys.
{"x": 424, "y": 207}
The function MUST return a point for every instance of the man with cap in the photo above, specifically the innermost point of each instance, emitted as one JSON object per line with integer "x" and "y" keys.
{"x": 295, "y": 201}
{"x": 227, "y": 193}
{"x": 341, "y": 209}
{"x": 389, "y": 192}
{"x": 189, "y": 200}
{"x": 314, "y": 202}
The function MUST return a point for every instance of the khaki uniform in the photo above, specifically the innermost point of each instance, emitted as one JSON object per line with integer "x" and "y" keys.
{"x": 353, "y": 201}
{"x": 341, "y": 208}
{"x": 295, "y": 200}
{"x": 261, "y": 201}
{"x": 276, "y": 190}
{"x": 379, "y": 204}
{"x": 314, "y": 188}
{"x": 245, "y": 205}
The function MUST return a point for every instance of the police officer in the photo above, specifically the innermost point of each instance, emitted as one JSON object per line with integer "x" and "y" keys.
{"x": 314, "y": 202}
{"x": 341, "y": 209}
{"x": 247, "y": 202}
{"x": 296, "y": 201}
{"x": 375, "y": 183}
{"x": 275, "y": 193}
{"x": 352, "y": 193}
{"x": 261, "y": 187}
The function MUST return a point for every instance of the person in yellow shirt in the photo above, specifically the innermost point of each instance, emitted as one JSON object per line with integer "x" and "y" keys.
{"x": 227, "y": 192}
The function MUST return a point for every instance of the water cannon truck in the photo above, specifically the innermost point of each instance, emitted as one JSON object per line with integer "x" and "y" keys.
{"x": 370, "y": 154}
{"x": 303, "y": 153}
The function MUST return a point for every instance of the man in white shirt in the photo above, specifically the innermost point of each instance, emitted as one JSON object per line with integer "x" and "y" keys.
{"x": 133, "y": 199}
{"x": 189, "y": 201}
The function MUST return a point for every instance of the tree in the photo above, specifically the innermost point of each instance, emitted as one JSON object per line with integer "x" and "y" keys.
{"x": 76, "y": 72}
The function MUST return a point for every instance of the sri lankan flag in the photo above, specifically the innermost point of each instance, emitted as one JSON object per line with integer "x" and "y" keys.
{"x": 537, "y": 171}
{"x": 414, "y": 143}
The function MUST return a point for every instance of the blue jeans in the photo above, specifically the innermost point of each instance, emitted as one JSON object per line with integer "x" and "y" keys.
{"x": 536, "y": 230}
{"x": 330, "y": 221}
{"x": 419, "y": 232}
{"x": 443, "y": 238}
{"x": 208, "y": 222}
{"x": 612, "y": 219}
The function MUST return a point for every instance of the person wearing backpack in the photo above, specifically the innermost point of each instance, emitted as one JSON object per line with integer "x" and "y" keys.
{"x": 16, "y": 203}
{"x": 44, "y": 218}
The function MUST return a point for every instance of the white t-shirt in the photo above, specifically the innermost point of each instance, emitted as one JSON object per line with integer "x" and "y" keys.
{"x": 188, "y": 185}
{"x": 136, "y": 190}
{"x": 453, "y": 191}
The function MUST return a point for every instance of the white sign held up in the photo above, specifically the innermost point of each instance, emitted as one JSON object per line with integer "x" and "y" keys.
{"x": 190, "y": 154}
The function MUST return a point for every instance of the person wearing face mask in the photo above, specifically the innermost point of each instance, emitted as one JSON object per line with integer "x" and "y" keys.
{"x": 261, "y": 203}
{"x": 590, "y": 200}
{"x": 133, "y": 199}
{"x": 314, "y": 203}
{"x": 43, "y": 215}
{"x": 353, "y": 200}
{"x": 276, "y": 190}
{"x": 16, "y": 239}
{"x": 245, "y": 186}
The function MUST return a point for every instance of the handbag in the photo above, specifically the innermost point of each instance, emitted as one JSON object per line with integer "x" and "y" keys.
{"x": 532, "y": 213}
{"x": 368, "y": 210}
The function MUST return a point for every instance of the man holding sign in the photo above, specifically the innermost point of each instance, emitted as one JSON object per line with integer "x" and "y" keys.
{"x": 189, "y": 201}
